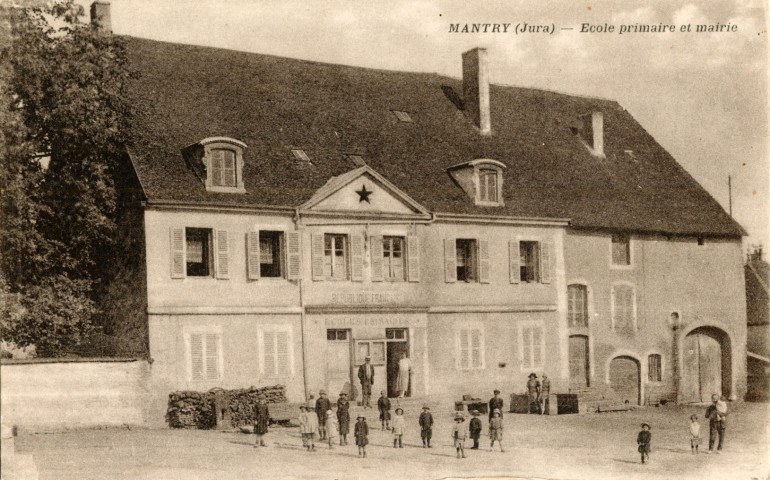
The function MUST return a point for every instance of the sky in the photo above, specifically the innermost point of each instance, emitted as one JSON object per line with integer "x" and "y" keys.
{"x": 702, "y": 95}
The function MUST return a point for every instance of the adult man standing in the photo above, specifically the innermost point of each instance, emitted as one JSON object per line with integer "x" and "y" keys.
{"x": 533, "y": 393}
{"x": 366, "y": 377}
{"x": 495, "y": 403}
{"x": 716, "y": 413}
{"x": 545, "y": 390}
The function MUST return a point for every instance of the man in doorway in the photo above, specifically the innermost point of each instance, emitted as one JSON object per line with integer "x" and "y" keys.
{"x": 533, "y": 393}
{"x": 545, "y": 390}
{"x": 716, "y": 413}
{"x": 366, "y": 377}
{"x": 404, "y": 372}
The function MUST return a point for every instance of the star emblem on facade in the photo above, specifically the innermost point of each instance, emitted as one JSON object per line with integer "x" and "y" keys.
{"x": 363, "y": 194}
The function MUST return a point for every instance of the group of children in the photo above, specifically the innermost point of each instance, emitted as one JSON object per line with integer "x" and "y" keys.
{"x": 644, "y": 438}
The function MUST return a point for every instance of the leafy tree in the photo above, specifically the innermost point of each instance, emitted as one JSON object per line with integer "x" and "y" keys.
{"x": 63, "y": 101}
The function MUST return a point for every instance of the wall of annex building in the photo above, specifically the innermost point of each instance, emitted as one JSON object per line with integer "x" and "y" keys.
{"x": 512, "y": 345}
{"x": 702, "y": 283}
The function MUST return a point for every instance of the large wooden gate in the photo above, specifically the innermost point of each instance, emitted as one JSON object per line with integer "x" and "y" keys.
{"x": 578, "y": 361}
{"x": 703, "y": 361}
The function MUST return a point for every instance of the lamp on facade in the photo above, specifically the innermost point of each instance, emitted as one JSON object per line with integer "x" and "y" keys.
{"x": 674, "y": 321}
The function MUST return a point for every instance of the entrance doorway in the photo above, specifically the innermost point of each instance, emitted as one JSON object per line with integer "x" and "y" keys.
{"x": 624, "y": 380}
{"x": 578, "y": 361}
{"x": 338, "y": 366}
{"x": 398, "y": 345}
{"x": 705, "y": 365}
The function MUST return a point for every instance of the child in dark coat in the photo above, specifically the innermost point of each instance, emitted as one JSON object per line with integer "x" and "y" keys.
{"x": 343, "y": 417}
{"x": 322, "y": 405}
{"x": 475, "y": 429}
{"x": 426, "y": 426}
{"x": 361, "y": 431}
{"x": 383, "y": 405}
{"x": 643, "y": 440}
{"x": 261, "y": 419}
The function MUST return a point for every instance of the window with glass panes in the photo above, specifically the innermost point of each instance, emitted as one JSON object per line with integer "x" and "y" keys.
{"x": 488, "y": 185}
{"x": 335, "y": 257}
{"x": 577, "y": 306}
{"x": 466, "y": 260}
{"x": 334, "y": 334}
{"x": 393, "y": 258}
{"x": 654, "y": 373}
{"x": 396, "y": 333}
{"x": 529, "y": 261}
{"x": 223, "y": 168}
{"x": 198, "y": 252}
{"x": 270, "y": 253}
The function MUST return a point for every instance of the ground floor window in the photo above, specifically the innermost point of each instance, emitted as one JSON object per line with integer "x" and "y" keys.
{"x": 654, "y": 368}
{"x": 532, "y": 346}
{"x": 203, "y": 359}
{"x": 470, "y": 345}
{"x": 276, "y": 356}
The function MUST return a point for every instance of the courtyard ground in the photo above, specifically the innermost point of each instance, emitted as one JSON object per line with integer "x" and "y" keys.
{"x": 591, "y": 446}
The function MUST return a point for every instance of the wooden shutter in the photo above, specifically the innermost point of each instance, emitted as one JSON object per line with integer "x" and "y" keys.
{"x": 196, "y": 356}
{"x": 514, "y": 261}
{"x": 537, "y": 346}
{"x": 357, "y": 258}
{"x": 252, "y": 255}
{"x": 268, "y": 354}
{"x": 413, "y": 260}
{"x": 178, "y": 266}
{"x": 475, "y": 348}
{"x": 483, "y": 261}
{"x": 450, "y": 260}
{"x": 283, "y": 356}
{"x": 317, "y": 254}
{"x": 375, "y": 246}
{"x": 212, "y": 356}
{"x": 526, "y": 346}
{"x": 293, "y": 256}
{"x": 464, "y": 350}
{"x": 223, "y": 255}
{"x": 546, "y": 261}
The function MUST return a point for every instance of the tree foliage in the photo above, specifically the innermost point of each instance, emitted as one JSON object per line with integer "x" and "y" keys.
{"x": 63, "y": 102}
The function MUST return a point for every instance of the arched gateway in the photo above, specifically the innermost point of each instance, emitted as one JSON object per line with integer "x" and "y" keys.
{"x": 705, "y": 364}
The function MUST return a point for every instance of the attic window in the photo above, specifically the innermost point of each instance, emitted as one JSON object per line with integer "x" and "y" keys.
{"x": 301, "y": 156}
{"x": 218, "y": 163}
{"x": 357, "y": 160}
{"x": 403, "y": 116}
{"x": 482, "y": 181}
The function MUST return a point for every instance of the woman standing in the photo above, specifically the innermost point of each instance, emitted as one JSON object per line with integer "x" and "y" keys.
{"x": 404, "y": 371}
{"x": 261, "y": 419}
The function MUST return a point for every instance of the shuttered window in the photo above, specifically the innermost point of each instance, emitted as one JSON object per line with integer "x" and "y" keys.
{"x": 393, "y": 258}
{"x": 470, "y": 345}
{"x": 621, "y": 249}
{"x": 204, "y": 358}
{"x": 198, "y": 252}
{"x": 335, "y": 265}
{"x": 623, "y": 308}
{"x": 577, "y": 306}
{"x": 530, "y": 261}
{"x": 466, "y": 260}
{"x": 277, "y": 358}
{"x": 532, "y": 346}
{"x": 654, "y": 372}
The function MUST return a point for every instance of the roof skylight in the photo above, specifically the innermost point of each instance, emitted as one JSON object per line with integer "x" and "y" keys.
{"x": 403, "y": 116}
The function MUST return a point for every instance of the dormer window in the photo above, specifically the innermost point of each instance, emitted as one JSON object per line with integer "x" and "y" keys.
{"x": 218, "y": 163}
{"x": 482, "y": 181}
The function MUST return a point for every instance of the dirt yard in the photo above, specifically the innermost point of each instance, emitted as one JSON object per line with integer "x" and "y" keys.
{"x": 593, "y": 446}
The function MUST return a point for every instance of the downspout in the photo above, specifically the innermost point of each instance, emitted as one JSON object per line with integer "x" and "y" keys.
{"x": 302, "y": 320}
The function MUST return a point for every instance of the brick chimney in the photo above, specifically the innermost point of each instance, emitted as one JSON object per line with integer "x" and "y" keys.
{"x": 476, "y": 88}
{"x": 100, "y": 15}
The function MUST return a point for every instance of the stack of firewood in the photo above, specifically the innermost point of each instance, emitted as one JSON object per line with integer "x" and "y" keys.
{"x": 187, "y": 409}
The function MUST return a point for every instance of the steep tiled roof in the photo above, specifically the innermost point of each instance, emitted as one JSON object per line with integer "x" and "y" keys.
{"x": 187, "y": 93}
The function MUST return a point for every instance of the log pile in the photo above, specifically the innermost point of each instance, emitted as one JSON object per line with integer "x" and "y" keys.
{"x": 189, "y": 409}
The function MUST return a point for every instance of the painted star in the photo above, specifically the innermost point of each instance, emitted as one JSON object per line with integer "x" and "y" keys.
{"x": 363, "y": 194}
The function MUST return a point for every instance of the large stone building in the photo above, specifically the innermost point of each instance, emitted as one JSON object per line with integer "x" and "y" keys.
{"x": 299, "y": 216}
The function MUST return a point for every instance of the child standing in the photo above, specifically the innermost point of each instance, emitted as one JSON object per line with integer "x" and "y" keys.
{"x": 332, "y": 428}
{"x": 261, "y": 419}
{"x": 343, "y": 416}
{"x": 311, "y": 427}
{"x": 426, "y": 426}
{"x": 361, "y": 431}
{"x": 383, "y": 405}
{"x": 303, "y": 426}
{"x": 398, "y": 428}
{"x": 475, "y": 429}
{"x": 643, "y": 440}
{"x": 459, "y": 434}
{"x": 496, "y": 430}
{"x": 322, "y": 405}
{"x": 694, "y": 434}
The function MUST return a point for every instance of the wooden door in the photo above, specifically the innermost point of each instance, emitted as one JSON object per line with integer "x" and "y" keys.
{"x": 702, "y": 367}
{"x": 578, "y": 361}
{"x": 690, "y": 369}
{"x": 624, "y": 379}
{"x": 338, "y": 367}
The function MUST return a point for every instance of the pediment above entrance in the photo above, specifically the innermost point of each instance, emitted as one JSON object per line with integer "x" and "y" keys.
{"x": 362, "y": 191}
